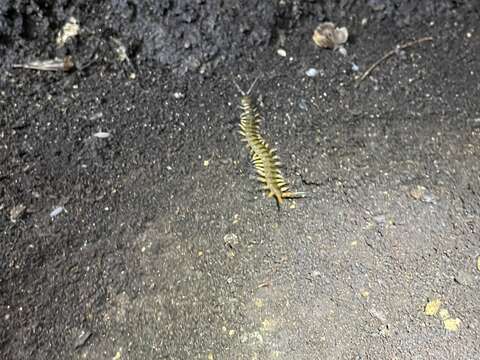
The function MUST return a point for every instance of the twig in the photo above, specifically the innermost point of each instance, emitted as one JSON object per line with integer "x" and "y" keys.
{"x": 391, "y": 53}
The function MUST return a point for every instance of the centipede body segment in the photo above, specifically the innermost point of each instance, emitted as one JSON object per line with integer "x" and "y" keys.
{"x": 264, "y": 158}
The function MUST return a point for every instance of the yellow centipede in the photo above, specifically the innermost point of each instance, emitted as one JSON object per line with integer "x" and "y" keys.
{"x": 264, "y": 158}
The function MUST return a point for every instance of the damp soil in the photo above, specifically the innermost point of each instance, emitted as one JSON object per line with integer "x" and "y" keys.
{"x": 165, "y": 249}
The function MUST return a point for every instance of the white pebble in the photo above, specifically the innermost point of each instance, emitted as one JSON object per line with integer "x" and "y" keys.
{"x": 311, "y": 72}
{"x": 178, "y": 95}
{"x": 282, "y": 52}
{"x": 355, "y": 67}
{"x": 102, "y": 135}
{"x": 57, "y": 211}
{"x": 342, "y": 50}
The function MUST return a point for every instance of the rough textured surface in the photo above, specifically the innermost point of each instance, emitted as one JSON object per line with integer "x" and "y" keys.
{"x": 165, "y": 248}
{"x": 187, "y": 35}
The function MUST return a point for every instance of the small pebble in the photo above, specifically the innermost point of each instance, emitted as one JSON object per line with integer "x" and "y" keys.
{"x": 312, "y": 72}
{"x": 57, "y": 211}
{"x": 342, "y": 50}
{"x": 102, "y": 135}
{"x": 178, "y": 95}
{"x": 230, "y": 239}
{"x": 282, "y": 52}
{"x": 82, "y": 339}
{"x": 380, "y": 219}
{"x": 17, "y": 212}
{"x": 355, "y": 67}
{"x": 464, "y": 278}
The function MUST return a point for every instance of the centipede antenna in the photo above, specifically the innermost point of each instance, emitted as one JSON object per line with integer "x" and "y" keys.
{"x": 251, "y": 86}
{"x": 239, "y": 88}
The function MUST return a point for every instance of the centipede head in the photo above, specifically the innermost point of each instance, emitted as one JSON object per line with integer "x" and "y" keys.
{"x": 249, "y": 90}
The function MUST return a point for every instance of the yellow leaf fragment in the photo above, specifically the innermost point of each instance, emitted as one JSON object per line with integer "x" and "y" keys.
{"x": 451, "y": 324}
{"x": 267, "y": 325}
{"x": 432, "y": 307}
{"x": 365, "y": 294}
{"x": 443, "y": 314}
{"x": 259, "y": 303}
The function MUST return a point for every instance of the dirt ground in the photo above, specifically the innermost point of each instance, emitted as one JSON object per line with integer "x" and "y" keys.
{"x": 165, "y": 249}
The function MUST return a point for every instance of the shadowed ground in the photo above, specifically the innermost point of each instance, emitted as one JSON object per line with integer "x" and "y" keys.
{"x": 166, "y": 248}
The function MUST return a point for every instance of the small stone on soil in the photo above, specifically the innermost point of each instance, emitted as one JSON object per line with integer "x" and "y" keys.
{"x": 17, "y": 212}
{"x": 464, "y": 278}
{"x": 82, "y": 339}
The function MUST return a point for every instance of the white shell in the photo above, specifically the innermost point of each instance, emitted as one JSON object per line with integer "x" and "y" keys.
{"x": 326, "y": 35}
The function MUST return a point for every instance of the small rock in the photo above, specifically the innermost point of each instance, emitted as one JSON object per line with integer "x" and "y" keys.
{"x": 282, "y": 52}
{"x": 57, "y": 211}
{"x": 380, "y": 219}
{"x": 421, "y": 193}
{"x": 464, "y": 278}
{"x": 178, "y": 95}
{"x": 312, "y": 72}
{"x": 102, "y": 135}
{"x": 230, "y": 240}
{"x": 17, "y": 212}
{"x": 378, "y": 315}
{"x": 82, "y": 339}
{"x": 342, "y": 51}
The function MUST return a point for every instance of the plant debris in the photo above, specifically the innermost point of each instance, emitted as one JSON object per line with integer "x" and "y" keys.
{"x": 69, "y": 30}
{"x": 328, "y": 36}
{"x": 390, "y": 54}
{"x": 66, "y": 64}
{"x": 432, "y": 307}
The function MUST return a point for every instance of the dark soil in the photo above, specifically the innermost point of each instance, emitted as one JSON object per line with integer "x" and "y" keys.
{"x": 166, "y": 250}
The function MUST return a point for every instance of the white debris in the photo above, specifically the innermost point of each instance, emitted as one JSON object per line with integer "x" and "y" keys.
{"x": 121, "y": 50}
{"x": 312, "y": 72}
{"x": 178, "y": 95}
{"x": 282, "y": 52}
{"x": 355, "y": 67}
{"x": 17, "y": 212}
{"x": 57, "y": 211}
{"x": 342, "y": 50}
{"x": 102, "y": 135}
{"x": 69, "y": 30}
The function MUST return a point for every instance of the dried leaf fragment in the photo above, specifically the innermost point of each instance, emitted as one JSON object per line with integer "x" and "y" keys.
{"x": 328, "y": 36}
{"x": 443, "y": 314}
{"x": 432, "y": 307}
{"x": 451, "y": 324}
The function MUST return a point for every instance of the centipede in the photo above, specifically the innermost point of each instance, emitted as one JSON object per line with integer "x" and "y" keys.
{"x": 264, "y": 158}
